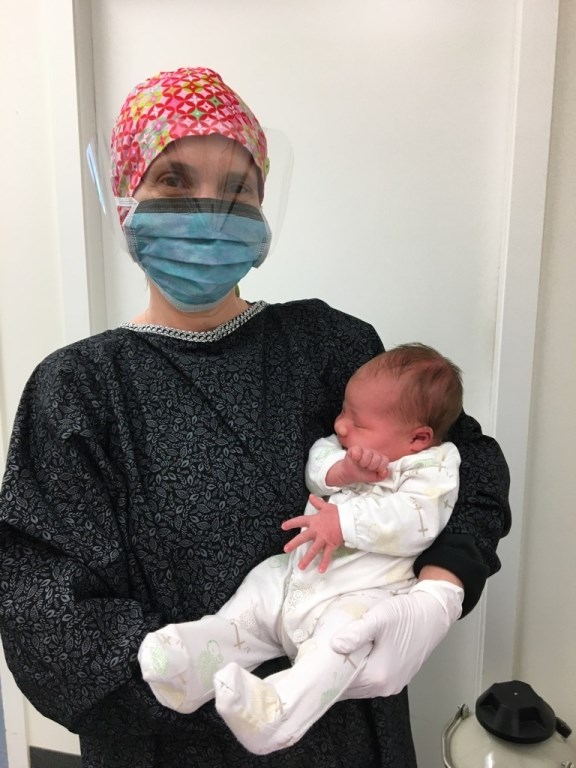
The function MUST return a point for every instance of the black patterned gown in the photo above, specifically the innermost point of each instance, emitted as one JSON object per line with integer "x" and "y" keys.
{"x": 148, "y": 472}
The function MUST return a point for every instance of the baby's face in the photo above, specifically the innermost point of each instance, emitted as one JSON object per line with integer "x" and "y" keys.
{"x": 364, "y": 420}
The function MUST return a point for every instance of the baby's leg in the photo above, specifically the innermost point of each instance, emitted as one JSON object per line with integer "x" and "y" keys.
{"x": 178, "y": 661}
{"x": 266, "y": 715}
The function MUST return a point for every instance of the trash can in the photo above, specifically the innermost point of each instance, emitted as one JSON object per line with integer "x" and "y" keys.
{"x": 512, "y": 727}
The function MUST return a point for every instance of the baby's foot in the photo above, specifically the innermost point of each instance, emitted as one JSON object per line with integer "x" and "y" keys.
{"x": 251, "y": 708}
{"x": 164, "y": 661}
{"x": 162, "y": 655}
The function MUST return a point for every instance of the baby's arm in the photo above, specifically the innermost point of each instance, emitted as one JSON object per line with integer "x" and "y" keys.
{"x": 330, "y": 468}
{"x": 403, "y": 516}
{"x": 400, "y": 521}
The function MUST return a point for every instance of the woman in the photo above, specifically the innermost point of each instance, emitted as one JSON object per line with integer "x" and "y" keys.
{"x": 150, "y": 466}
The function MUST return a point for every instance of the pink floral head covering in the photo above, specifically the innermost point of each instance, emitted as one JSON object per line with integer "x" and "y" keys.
{"x": 170, "y": 106}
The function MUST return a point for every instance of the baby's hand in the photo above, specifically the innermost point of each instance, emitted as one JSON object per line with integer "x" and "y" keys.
{"x": 322, "y": 529}
{"x": 368, "y": 460}
{"x": 359, "y": 465}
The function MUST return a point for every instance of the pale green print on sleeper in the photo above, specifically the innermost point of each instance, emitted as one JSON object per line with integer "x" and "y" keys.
{"x": 209, "y": 662}
{"x": 159, "y": 661}
{"x": 331, "y": 694}
{"x": 424, "y": 464}
{"x": 343, "y": 551}
{"x": 277, "y": 561}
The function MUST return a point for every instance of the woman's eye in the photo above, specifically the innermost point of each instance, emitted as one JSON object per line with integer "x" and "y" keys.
{"x": 240, "y": 188}
{"x": 172, "y": 180}
{"x": 237, "y": 189}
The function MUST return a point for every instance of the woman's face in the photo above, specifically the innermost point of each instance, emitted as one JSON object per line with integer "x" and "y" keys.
{"x": 202, "y": 166}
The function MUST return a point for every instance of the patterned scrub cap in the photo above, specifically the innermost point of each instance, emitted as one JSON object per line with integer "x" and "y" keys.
{"x": 173, "y": 105}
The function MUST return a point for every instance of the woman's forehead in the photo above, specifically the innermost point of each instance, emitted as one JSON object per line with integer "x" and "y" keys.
{"x": 213, "y": 148}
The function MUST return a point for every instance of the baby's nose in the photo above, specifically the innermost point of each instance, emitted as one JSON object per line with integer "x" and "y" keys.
{"x": 340, "y": 428}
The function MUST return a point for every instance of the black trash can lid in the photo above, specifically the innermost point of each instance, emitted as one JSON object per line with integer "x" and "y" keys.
{"x": 514, "y": 712}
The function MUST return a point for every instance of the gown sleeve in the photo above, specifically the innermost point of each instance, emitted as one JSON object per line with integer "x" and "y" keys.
{"x": 69, "y": 628}
{"x": 481, "y": 517}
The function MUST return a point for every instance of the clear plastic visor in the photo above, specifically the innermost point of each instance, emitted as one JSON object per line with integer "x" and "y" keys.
{"x": 199, "y": 168}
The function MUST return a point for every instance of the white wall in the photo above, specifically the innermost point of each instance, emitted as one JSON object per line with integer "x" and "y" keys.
{"x": 546, "y": 632}
{"x": 30, "y": 301}
{"x": 31, "y": 309}
{"x": 32, "y": 324}
{"x": 400, "y": 115}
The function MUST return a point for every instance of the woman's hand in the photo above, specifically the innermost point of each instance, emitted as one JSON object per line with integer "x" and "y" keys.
{"x": 322, "y": 529}
{"x": 405, "y": 629}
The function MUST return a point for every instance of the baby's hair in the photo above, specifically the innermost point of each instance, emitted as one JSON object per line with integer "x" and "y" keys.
{"x": 431, "y": 386}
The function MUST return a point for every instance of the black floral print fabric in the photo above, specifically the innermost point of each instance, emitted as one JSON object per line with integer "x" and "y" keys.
{"x": 146, "y": 476}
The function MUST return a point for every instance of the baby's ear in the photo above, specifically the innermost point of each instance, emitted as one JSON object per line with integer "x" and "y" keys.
{"x": 421, "y": 438}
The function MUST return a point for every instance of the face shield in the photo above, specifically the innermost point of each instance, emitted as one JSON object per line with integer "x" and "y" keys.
{"x": 191, "y": 196}
{"x": 275, "y": 189}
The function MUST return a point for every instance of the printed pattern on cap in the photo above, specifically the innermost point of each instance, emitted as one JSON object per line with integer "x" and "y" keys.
{"x": 173, "y": 105}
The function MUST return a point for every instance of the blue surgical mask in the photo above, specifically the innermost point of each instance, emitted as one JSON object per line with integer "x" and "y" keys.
{"x": 195, "y": 250}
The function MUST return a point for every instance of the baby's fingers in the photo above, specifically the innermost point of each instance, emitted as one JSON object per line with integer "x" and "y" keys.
{"x": 326, "y": 558}
{"x": 354, "y": 453}
{"x": 313, "y": 550}
{"x": 318, "y": 504}
{"x": 297, "y": 541}
{"x": 373, "y": 461}
{"x": 364, "y": 458}
{"x": 295, "y": 522}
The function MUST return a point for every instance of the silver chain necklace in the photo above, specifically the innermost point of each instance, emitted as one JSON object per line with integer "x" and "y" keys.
{"x": 203, "y": 336}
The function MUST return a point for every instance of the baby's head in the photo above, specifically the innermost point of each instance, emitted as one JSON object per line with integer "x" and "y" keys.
{"x": 429, "y": 386}
{"x": 401, "y": 401}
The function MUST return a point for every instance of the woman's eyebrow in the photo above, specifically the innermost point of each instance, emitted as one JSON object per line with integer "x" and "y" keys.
{"x": 179, "y": 166}
{"x": 189, "y": 169}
